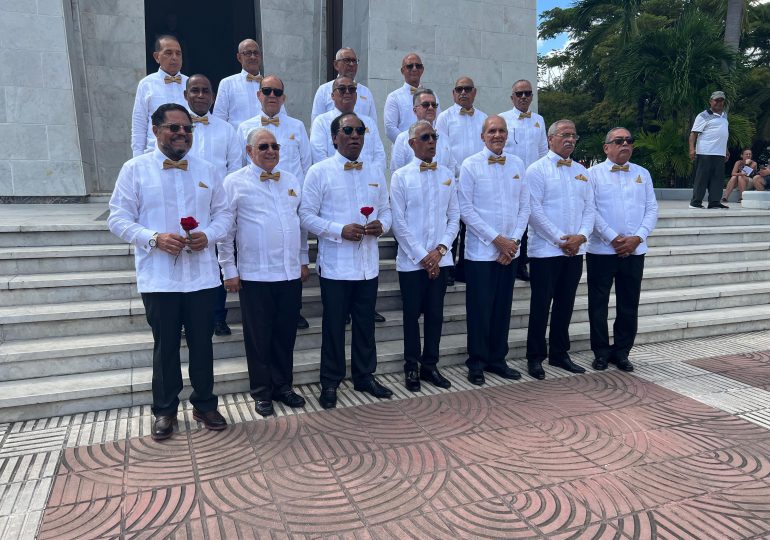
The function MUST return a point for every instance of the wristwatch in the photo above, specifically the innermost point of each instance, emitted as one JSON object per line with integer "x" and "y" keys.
{"x": 153, "y": 242}
{"x": 441, "y": 248}
{"x": 517, "y": 241}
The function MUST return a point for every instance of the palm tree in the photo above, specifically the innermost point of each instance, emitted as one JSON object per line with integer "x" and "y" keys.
{"x": 733, "y": 23}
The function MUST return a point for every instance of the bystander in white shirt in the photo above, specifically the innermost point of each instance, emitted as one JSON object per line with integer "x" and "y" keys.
{"x": 322, "y": 147}
{"x": 494, "y": 201}
{"x": 271, "y": 245}
{"x": 332, "y": 198}
{"x": 401, "y": 154}
{"x": 527, "y": 137}
{"x": 399, "y": 111}
{"x": 425, "y": 213}
{"x": 152, "y": 92}
{"x": 290, "y": 133}
{"x": 463, "y": 131}
{"x": 216, "y": 141}
{"x": 562, "y": 203}
{"x": 364, "y": 101}
{"x": 149, "y": 199}
{"x": 625, "y": 205}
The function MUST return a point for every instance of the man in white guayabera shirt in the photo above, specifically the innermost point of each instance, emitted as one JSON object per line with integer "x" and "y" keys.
{"x": 346, "y": 65}
{"x": 156, "y": 195}
{"x": 237, "y": 95}
{"x": 398, "y": 114}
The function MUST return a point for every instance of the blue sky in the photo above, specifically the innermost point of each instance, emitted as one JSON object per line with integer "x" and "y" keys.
{"x": 557, "y": 42}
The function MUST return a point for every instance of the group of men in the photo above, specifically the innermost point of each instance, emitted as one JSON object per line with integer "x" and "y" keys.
{"x": 256, "y": 184}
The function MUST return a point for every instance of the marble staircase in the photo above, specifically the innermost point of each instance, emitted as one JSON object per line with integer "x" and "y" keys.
{"x": 73, "y": 334}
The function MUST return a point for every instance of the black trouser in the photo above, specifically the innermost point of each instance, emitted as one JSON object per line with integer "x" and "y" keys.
{"x": 420, "y": 294}
{"x": 220, "y": 311}
{"x": 627, "y": 273}
{"x": 269, "y": 311}
{"x": 709, "y": 173}
{"x": 458, "y": 254}
{"x": 166, "y": 313}
{"x": 553, "y": 280}
{"x": 340, "y": 297}
{"x": 523, "y": 259}
{"x": 488, "y": 298}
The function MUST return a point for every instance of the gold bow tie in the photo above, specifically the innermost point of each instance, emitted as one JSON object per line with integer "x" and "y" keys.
{"x": 564, "y": 162}
{"x": 427, "y": 166}
{"x": 201, "y": 119}
{"x": 275, "y": 121}
{"x": 252, "y": 78}
{"x": 413, "y": 90}
{"x": 500, "y": 160}
{"x": 616, "y": 168}
{"x": 468, "y": 112}
{"x": 357, "y": 165}
{"x": 168, "y": 164}
{"x": 168, "y": 79}
{"x": 265, "y": 176}
{"x": 527, "y": 114}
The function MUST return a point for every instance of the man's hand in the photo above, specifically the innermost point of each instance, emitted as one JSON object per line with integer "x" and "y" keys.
{"x": 430, "y": 261}
{"x": 233, "y": 284}
{"x": 170, "y": 243}
{"x": 617, "y": 242}
{"x": 353, "y": 232}
{"x": 692, "y": 154}
{"x": 764, "y": 171}
{"x": 198, "y": 242}
{"x": 571, "y": 244}
{"x": 504, "y": 259}
{"x": 373, "y": 228}
{"x": 628, "y": 245}
{"x": 505, "y": 246}
{"x": 304, "y": 273}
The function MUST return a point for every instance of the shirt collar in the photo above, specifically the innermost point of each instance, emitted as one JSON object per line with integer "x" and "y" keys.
{"x": 518, "y": 111}
{"x": 342, "y": 159}
{"x": 159, "y": 157}
{"x": 163, "y": 73}
{"x": 608, "y": 163}
{"x": 408, "y": 87}
{"x": 244, "y": 73}
{"x": 257, "y": 170}
{"x": 488, "y": 152}
{"x": 554, "y": 157}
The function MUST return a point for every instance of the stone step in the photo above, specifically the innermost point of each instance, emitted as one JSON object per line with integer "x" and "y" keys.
{"x": 706, "y": 253}
{"x": 688, "y": 217}
{"x": 129, "y": 386}
{"x": 729, "y": 234}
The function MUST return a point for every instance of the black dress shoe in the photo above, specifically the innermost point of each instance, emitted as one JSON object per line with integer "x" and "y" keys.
{"x": 264, "y": 408}
{"x": 163, "y": 427}
{"x": 302, "y": 323}
{"x": 522, "y": 273}
{"x": 599, "y": 363}
{"x": 412, "y": 381}
{"x": 535, "y": 369}
{"x": 504, "y": 371}
{"x": 328, "y": 398}
{"x": 434, "y": 377}
{"x": 378, "y": 317}
{"x": 476, "y": 377}
{"x": 374, "y": 388}
{"x": 566, "y": 363}
{"x": 211, "y": 420}
{"x": 623, "y": 364}
{"x": 290, "y": 398}
{"x": 221, "y": 329}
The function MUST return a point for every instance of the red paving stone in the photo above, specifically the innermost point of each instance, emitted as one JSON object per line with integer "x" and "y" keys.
{"x": 593, "y": 456}
{"x": 749, "y": 368}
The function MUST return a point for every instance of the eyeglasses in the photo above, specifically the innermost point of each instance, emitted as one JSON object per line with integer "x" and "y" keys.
{"x": 347, "y": 89}
{"x": 523, "y": 93}
{"x": 348, "y": 130}
{"x": 429, "y": 105}
{"x": 349, "y": 61}
{"x": 266, "y": 90}
{"x": 255, "y": 54}
{"x": 719, "y": 99}
{"x": 567, "y": 136}
{"x": 410, "y": 67}
{"x": 174, "y": 128}
{"x": 465, "y": 89}
{"x": 620, "y": 140}
{"x": 426, "y": 136}
{"x": 264, "y": 146}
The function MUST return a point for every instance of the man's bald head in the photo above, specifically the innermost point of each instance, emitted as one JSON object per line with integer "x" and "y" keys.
{"x": 412, "y": 69}
{"x": 250, "y": 56}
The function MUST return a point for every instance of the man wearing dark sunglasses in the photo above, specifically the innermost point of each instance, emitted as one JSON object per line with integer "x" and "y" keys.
{"x": 176, "y": 276}
{"x": 399, "y": 114}
{"x": 425, "y": 107}
{"x": 346, "y": 65}
{"x": 271, "y": 265}
{"x": 345, "y": 204}
{"x": 426, "y": 218}
{"x": 626, "y": 213}
{"x": 708, "y": 149}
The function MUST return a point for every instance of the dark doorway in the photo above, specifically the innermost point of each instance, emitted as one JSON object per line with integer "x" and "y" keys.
{"x": 209, "y": 33}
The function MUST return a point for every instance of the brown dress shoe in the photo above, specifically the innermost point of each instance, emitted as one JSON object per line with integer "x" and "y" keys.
{"x": 163, "y": 427}
{"x": 211, "y": 420}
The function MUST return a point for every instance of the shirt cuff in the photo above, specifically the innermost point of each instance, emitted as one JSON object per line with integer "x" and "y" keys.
{"x": 143, "y": 239}
{"x": 230, "y": 271}
{"x": 335, "y": 232}
{"x": 609, "y": 235}
{"x": 416, "y": 260}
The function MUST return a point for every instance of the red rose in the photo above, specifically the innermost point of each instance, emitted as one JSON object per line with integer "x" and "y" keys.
{"x": 367, "y": 211}
{"x": 188, "y": 223}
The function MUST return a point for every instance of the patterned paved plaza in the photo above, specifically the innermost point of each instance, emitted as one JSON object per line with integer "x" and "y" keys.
{"x": 679, "y": 449}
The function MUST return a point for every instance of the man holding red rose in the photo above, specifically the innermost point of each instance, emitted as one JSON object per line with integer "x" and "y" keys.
{"x": 153, "y": 192}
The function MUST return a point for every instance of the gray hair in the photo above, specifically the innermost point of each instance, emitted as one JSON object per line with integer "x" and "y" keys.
{"x": 420, "y": 92}
{"x": 521, "y": 80}
{"x": 610, "y": 132}
{"x": 338, "y": 56}
{"x": 413, "y": 128}
{"x": 553, "y": 128}
{"x": 252, "y": 136}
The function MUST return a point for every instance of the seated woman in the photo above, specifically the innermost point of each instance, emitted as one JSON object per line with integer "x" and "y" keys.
{"x": 740, "y": 176}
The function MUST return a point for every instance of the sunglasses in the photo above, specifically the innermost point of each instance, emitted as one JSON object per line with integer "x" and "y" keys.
{"x": 264, "y": 146}
{"x": 523, "y": 93}
{"x": 465, "y": 89}
{"x": 349, "y": 61}
{"x": 413, "y": 66}
{"x": 620, "y": 140}
{"x": 425, "y": 137}
{"x": 348, "y": 130}
{"x": 347, "y": 89}
{"x": 266, "y": 90}
{"x": 174, "y": 128}
{"x": 429, "y": 105}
